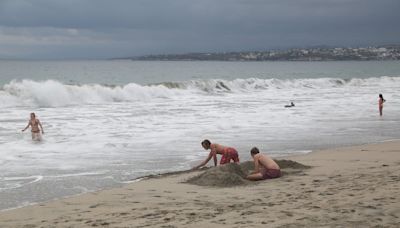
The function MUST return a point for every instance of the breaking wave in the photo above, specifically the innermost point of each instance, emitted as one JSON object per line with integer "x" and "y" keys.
{"x": 52, "y": 93}
{"x": 252, "y": 84}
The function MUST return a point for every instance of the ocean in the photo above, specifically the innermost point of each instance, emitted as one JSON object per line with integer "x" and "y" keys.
{"x": 107, "y": 123}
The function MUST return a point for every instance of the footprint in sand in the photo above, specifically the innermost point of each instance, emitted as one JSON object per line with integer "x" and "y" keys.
{"x": 96, "y": 205}
{"x": 248, "y": 213}
{"x": 287, "y": 213}
{"x": 29, "y": 226}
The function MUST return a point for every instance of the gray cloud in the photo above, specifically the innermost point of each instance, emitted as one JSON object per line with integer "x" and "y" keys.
{"x": 105, "y": 28}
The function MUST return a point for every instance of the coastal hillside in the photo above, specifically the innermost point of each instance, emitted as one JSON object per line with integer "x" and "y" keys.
{"x": 387, "y": 52}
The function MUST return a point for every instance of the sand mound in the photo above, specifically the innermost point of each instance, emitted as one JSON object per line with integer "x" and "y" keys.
{"x": 234, "y": 174}
{"x": 289, "y": 164}
{"x": 221, "y": 176}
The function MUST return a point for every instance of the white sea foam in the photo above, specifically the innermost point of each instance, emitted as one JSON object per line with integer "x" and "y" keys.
{"x": 97, "y": 135}
{"x": 52, "y": 93}
{"x": 17, "y": 182}
{"x": 77, "y": 174}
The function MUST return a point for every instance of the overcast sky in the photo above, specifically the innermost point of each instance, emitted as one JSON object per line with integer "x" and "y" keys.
{"x": 63, "y": 29}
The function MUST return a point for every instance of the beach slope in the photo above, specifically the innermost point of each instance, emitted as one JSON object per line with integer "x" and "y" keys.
{"x": 355, "y": 186}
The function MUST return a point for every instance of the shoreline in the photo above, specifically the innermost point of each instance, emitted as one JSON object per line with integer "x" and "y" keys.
{"x": 156, "y": 200}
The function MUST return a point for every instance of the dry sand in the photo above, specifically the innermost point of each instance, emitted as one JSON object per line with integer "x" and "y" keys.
{"x": 346, "y": 187}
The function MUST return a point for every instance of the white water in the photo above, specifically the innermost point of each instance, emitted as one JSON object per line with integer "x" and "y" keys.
{"x": 100, "y": 136}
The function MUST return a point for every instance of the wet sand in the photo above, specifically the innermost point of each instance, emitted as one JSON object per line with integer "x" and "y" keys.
{"x": 345, "y": 187}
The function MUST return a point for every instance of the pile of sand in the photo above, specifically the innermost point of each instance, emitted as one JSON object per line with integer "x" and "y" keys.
{"x": 234, "y": 174}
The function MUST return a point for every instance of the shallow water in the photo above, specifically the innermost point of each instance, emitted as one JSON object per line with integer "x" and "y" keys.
{"x": 108, "y": 122}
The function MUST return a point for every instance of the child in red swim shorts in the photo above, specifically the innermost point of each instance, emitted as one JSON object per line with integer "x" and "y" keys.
{"x": 228, "y": 154}
{"x": 264, "y": 166}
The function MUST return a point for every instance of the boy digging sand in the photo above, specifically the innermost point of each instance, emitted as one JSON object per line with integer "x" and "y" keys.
{"x": 268, "y": 170}
{"x": 228, "y": 153}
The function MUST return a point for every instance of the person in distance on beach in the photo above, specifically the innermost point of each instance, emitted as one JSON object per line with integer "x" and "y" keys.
{"x": 34, "y": 124}
{"x": 264, "y": 166}
{"x": 381, "y": 101}
{"x": 228, "y": 153}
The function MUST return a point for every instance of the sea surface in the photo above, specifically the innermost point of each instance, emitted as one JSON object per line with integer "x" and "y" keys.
{"x": 109, "y": 122}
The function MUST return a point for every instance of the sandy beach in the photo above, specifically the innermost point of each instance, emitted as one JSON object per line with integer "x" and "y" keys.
{"x": 355, "y": 186}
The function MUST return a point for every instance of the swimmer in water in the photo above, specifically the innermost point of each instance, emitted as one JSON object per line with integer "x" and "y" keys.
{"x": 34, "y": 124}
{"x": 380, "y": 103}
{"x": 289, "y": 106}
{"x": 228, "y": 153}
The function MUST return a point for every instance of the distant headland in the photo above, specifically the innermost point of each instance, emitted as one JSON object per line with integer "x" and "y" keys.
{"x": 386, "y": 52}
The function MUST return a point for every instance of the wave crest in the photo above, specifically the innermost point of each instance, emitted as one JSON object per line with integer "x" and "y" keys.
{"x": 52, "y": 93}
{"x": 251, "y": 84}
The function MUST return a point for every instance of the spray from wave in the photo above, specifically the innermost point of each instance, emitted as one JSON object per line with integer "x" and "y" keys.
{"x": 52, "y": 93}
{"x": 253, "y": 84}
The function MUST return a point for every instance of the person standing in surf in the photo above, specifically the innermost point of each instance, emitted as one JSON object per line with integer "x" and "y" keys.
{"x": 34, "y": 123}
{"x": 381, "y": 101}
{"x": 228, "y": 153}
